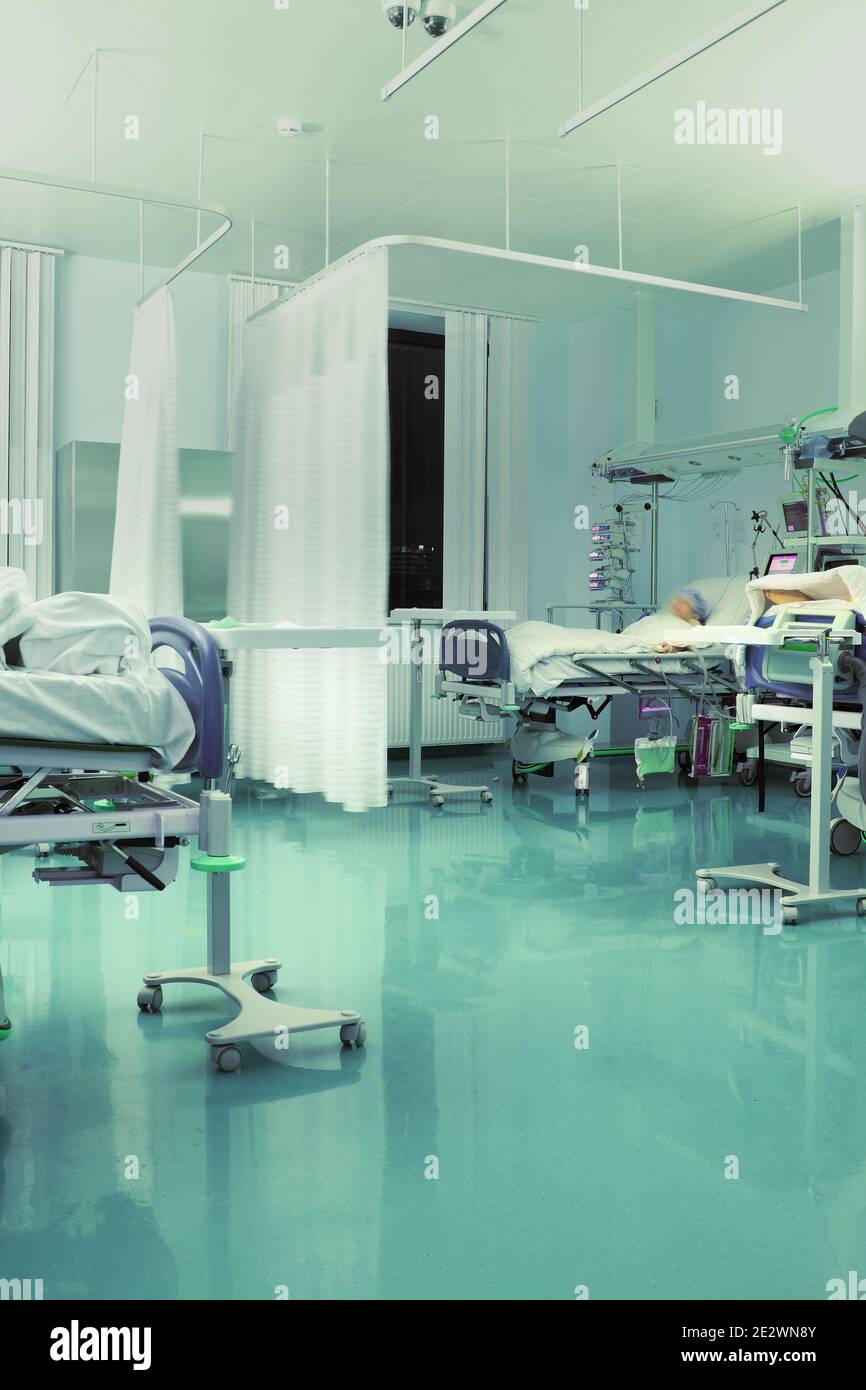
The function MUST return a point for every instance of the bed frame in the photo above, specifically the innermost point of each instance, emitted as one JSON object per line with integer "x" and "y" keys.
{"x": 475, "y": 670}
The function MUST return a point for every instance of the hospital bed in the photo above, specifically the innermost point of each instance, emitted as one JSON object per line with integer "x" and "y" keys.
{"x": 95, "y": 816}
{"x": 477, "y": 669}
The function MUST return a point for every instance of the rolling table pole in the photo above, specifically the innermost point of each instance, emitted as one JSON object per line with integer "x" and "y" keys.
{"x": 654, "y": 548}
{"x": 416, "y": 701}
{"x": 822, "y": 758}
{"x": 762, "y": 766}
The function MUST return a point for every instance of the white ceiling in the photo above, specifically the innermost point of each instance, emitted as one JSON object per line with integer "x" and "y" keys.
{"x": 231, "y": 68}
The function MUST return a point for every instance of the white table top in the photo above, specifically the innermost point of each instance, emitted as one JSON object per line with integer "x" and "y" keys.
{"x": 276, "y": 636}
{"x": 723, "y": 636}
{"x": 449, "y": 615}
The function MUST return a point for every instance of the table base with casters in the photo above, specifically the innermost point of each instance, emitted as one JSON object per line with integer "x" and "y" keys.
{"x": 437, "y": 789}
{"x": 824, "y": 677}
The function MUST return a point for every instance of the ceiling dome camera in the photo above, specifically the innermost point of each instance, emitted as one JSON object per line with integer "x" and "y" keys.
{"x": 393, "y": 12}
{"x": 437, "y": 16}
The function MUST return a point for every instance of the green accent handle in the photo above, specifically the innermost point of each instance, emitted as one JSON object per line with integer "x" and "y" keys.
{"x": 226, "y": 622}
{"x": 789, "y": 434}
{"x": 210, "y": 864}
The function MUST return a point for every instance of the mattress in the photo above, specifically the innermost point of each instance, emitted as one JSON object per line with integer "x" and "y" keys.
{"x": 141, "y": 709}
{"x": 544, "y": 677}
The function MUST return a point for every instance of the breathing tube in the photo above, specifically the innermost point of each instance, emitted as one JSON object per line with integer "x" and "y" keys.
{"x": 858, "y": 670}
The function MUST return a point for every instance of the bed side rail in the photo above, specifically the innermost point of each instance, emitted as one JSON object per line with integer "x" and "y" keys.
{"x": 201, "y": 685}
{"x": 474, "y": 649}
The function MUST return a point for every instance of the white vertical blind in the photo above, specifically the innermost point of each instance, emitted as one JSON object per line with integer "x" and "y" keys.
{"x": 27, "y": 414}
{"x": 309, "y": 538}
{"x": 507, "y": 465}
{"x": 146, "y": 563}
{"x": 246, "y": 296}
{"x": 465, "y": 459}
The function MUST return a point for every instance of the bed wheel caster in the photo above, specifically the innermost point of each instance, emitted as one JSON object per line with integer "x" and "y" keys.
{"x": 228, "y": 1058}
{"x": 844, "y": 837}
{"x": 150, "y": 999}
{"x": 803, "y": 784}
{"x": 487, "y": 797}
{"x": 747, "y": 775}
{"x": 790, "y": 916}
{"x": 707, "y": 885}
{"x": 353, "y": 1035}
{"x": 437, "y": 800}
{"x": 263, "y": 980}
{"x": 860, "y": 907}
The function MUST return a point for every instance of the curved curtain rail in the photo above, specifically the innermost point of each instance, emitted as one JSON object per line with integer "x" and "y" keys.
{"x": 146, "y": 199}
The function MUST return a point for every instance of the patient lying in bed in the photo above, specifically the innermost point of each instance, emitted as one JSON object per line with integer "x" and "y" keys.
{"x": 77, "y": 668}
{"x": 691, "y": 607}
{"x": 542, "y": 653}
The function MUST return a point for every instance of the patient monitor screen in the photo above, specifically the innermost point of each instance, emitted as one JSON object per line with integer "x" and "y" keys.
{"x": 796, "y": 513}
{"x": 782, "y": 563}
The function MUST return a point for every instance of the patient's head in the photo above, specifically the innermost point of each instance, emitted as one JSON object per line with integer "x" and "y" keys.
{"x": 689, "y": 605}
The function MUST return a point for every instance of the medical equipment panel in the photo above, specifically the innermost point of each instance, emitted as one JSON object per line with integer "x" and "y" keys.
{"x": 785, "y": 666}
{"x": 782, "y": 562}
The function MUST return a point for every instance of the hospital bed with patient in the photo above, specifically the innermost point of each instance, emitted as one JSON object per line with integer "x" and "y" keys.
{"x": 87, "y": 717}
{"x": 538, "y": 670}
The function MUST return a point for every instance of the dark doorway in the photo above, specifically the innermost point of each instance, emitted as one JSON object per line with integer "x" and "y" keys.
{"x": 416, "y": 380}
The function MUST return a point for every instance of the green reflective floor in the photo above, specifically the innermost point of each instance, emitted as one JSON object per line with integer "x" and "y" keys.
{"x": 475, "y": 942}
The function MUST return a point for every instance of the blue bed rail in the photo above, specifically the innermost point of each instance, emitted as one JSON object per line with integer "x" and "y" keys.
{"x": 201, "y": 685}
{"x": 475, "y": 649}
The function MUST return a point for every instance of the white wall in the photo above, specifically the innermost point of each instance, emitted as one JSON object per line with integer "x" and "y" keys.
{"x": 786, "y": 365}
{"x": 577, "y": 411}
{"x": 583, "y": 405}
{"x": 95, "y": 303}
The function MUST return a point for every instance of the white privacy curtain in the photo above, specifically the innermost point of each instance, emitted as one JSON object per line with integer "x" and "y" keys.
{"x": 27, "y": 414}
{"x": 146, "y": 564}
{"x": 465, "y": 460}
{"x": 246, "y": 296}
{"x": 310, "y": 536}
{"x": 507, "y": 465}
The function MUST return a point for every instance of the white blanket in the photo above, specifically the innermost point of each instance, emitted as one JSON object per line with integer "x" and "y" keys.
{"x": 83, "y": 673}
{"x": 534, "y": 642}
{"x": 847, "y": 584}
{"x": 142, "y": 711}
